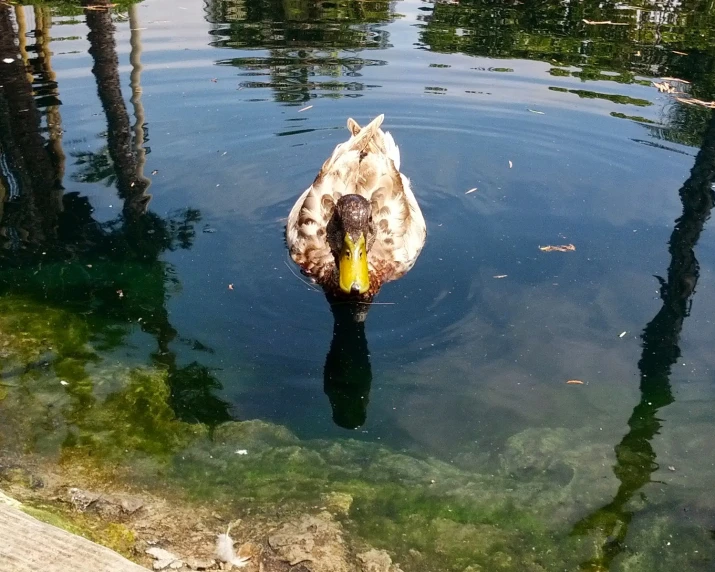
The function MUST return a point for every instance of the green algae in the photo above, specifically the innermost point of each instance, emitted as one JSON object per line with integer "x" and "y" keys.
{"x": 135, "y": 419}
{"x": 400, "y": 503}
{"x": 112, "y": 535}
{"x": 28, "y": 330}
{"x": 429, "y": 514}
{"x": 60, "y": 379}
{"x": 122, "y": 416}
{"x": 52, "y": 515}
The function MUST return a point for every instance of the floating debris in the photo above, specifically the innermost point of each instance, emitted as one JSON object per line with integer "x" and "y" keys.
{"x": 230, "y": 286}
{"x": 510, "y": 164}
{"x": 8, "y": 60}
{"x": 675, "y": 79}
{"x": 574, "y": 382}
{"x": 603, "y": 23}
{"x": 679, "y": 53}
{"x": 664, "y": 87}
{"x": 471, "y": 191}
{"x": 102, "y": 8}
{"x": 214, "y": 80}
{"x": 622, "y": 334}
{"x": 534, "y": 111}
{"x": 500, "y": 275}
{"x": 155, "y": 172}
{"x": 558, "y": 248}
{"x": 305, "y": 108}
{"x": 671, "y": 468}
{"x": 693, "y": 101}
{"x": 241, "y": 452}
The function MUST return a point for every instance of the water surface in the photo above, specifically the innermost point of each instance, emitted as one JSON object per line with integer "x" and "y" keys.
{"x": 148, "y": 195}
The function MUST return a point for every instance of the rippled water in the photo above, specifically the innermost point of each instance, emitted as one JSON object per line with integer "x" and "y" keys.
{"x": 227, "y": 110}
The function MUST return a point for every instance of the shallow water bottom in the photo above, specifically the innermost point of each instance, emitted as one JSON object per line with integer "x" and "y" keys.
{"x": 549, "y": 500}
{"x": 154, "y": 334}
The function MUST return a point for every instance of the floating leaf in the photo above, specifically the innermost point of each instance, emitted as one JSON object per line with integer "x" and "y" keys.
{"x": 558, "y": 248}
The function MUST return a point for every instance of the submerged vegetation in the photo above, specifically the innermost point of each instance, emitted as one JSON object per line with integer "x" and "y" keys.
{"x": 428, "y": 514}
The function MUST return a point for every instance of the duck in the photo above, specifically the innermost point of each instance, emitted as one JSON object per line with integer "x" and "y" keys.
{"x": 358, "y": 225}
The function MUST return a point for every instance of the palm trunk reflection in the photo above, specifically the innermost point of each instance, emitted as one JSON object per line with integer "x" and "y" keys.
{"x": 145, "y": 234}
{"x": 130, "y": 185}
{"x": 31, "y": 207}
{"x": 635, "y": 456}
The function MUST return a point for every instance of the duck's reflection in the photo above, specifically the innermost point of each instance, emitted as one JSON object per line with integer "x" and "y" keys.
{"x": 347, "y": 375}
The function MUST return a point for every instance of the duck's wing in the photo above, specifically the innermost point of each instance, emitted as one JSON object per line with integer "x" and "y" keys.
{"x": 400, "y": 230}
{"x": 306, "y": 232}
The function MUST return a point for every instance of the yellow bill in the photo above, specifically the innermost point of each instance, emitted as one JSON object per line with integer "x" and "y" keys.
{"x": 354, "y": 275}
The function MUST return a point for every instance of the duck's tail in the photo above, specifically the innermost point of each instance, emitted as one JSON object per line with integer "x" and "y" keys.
{"x": 368, "y": 139}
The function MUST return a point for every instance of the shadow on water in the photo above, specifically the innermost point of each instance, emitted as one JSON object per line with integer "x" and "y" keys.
{"x": 53, "y": 250}
{"x": 635, "y": 456}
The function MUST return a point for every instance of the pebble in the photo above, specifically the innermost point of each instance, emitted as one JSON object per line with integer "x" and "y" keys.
{"x": 164, "y": 558}
{"x": 200, "y": 564}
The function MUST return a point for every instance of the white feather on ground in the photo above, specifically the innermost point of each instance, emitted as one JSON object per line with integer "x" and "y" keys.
{"x": 224, "y": 550}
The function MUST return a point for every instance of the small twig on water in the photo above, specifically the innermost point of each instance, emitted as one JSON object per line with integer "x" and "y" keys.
{"x": 603, "y": 22}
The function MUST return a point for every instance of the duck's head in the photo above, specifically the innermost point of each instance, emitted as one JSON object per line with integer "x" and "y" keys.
{"x": 351, "y": 235}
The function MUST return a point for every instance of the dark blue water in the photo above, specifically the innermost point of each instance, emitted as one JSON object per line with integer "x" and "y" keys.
{"x": 235, "y": 106}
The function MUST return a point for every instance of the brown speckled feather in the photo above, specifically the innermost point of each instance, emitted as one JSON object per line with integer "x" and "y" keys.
{"x": 367, "y": 165}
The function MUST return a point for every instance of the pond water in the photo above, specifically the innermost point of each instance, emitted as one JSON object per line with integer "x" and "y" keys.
{"x": 151, "y": 154}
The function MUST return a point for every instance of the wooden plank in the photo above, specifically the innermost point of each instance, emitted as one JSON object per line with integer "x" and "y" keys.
{"x": 28, "y": 545}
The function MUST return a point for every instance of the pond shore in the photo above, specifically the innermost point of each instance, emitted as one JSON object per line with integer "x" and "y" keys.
{"x": 94, "y": 447}
{"x": 29, "y": 544}
{"x": 59, "y": 528}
